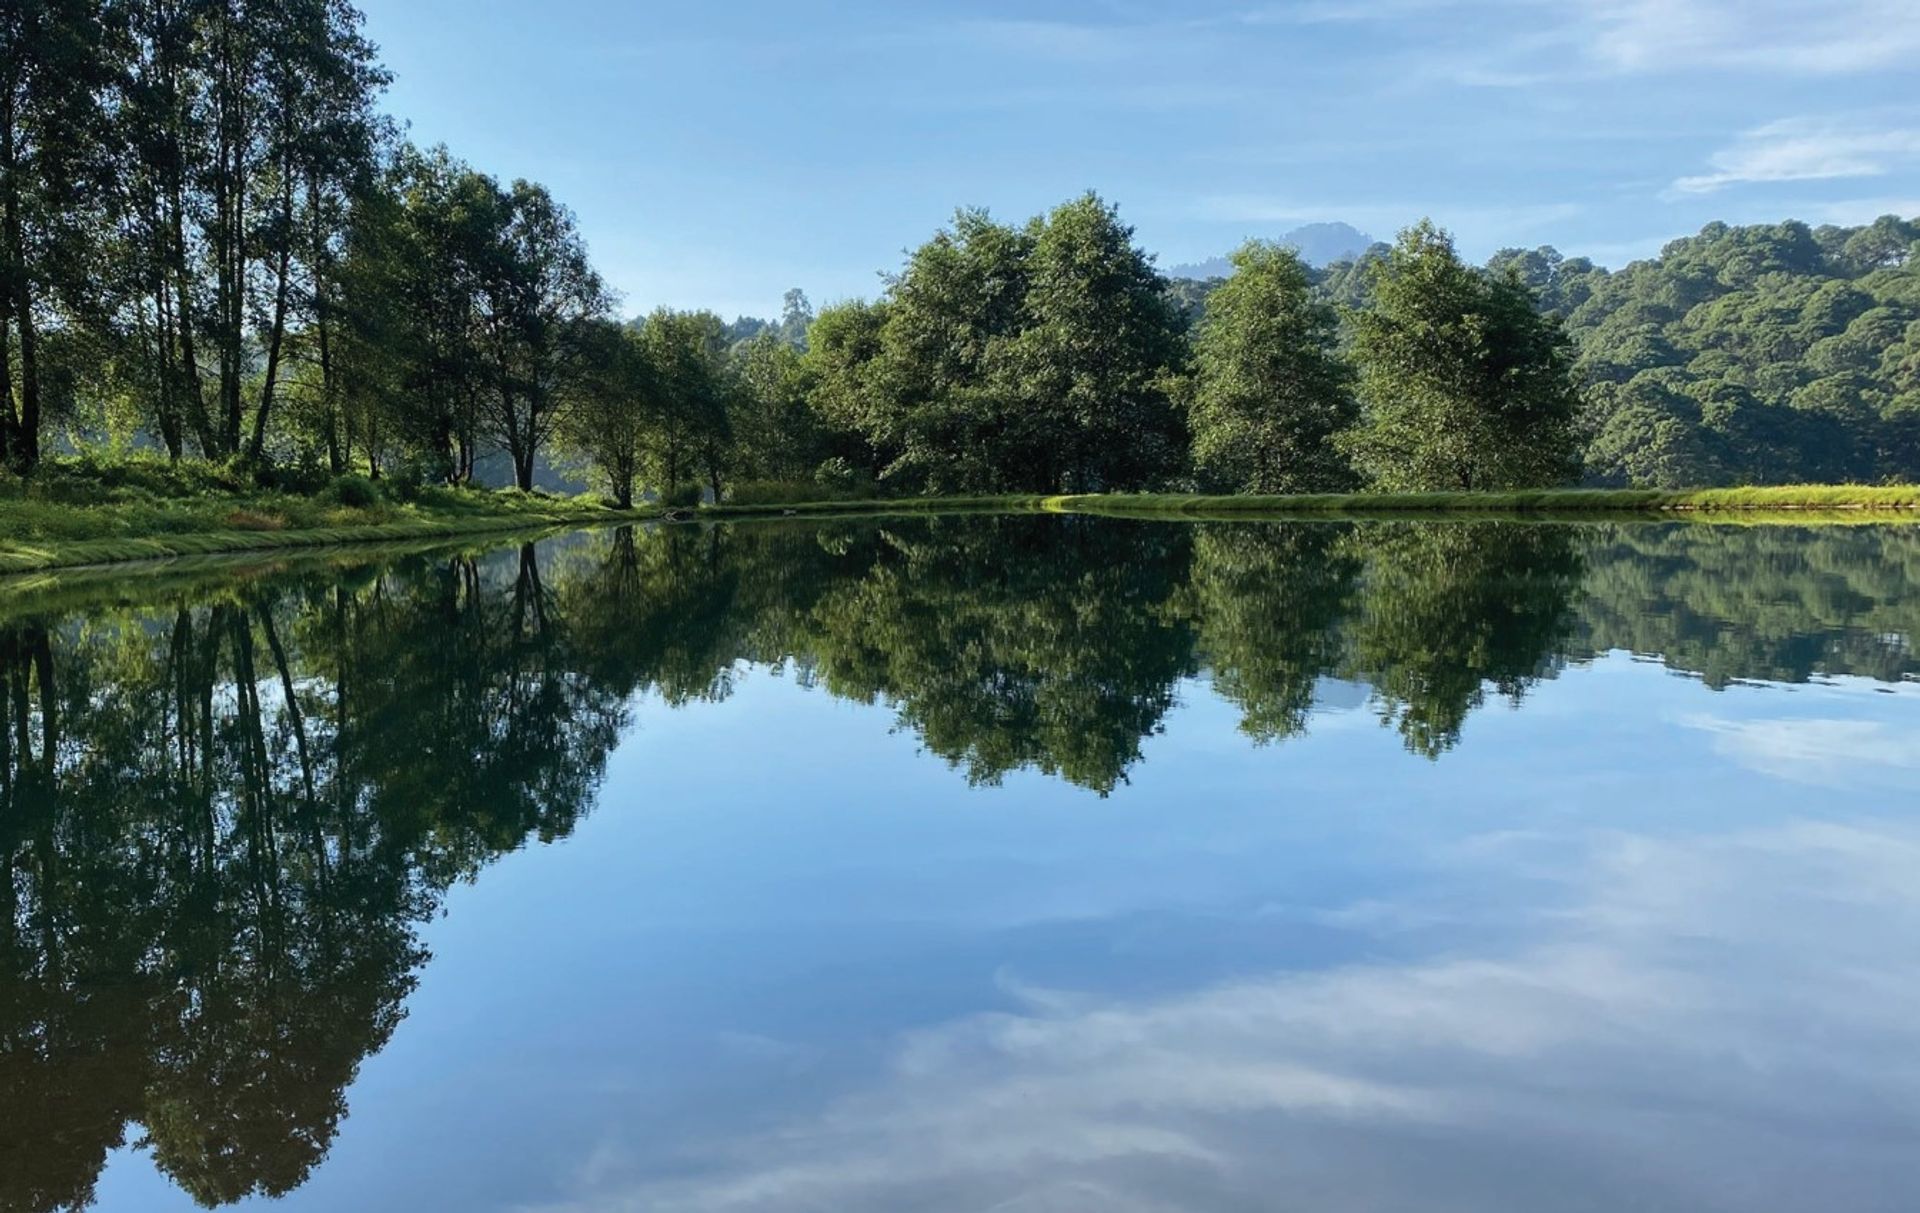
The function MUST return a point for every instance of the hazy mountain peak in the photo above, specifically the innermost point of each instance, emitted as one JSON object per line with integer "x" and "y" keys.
{"x": 1319, "y": 244}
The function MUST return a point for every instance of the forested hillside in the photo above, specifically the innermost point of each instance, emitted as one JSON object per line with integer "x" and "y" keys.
{"x": 1743, "y": 355}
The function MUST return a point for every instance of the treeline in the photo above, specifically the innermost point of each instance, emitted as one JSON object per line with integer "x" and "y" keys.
{"x": 216, "y": 246}
{"x": 1771, "y": 354}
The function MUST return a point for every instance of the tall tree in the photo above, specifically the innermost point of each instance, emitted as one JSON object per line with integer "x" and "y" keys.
{"x": 690, "y": 432}
{"x": 540, "y": 295}
{"x": 54, "y": 154}
{"x": 616, "y": 398}
{"x": 1465, "y": 385}
{"x": 1092, "y": 360}
{"x": 318, "y": 83}
{"x": 1269, "y": 390}
{"x": 776, "y": 435}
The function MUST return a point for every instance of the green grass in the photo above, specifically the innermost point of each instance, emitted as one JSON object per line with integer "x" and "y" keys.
{"x": 65, "y": 522}
{"x": 76, "y": 518}
{"x": 1013, "y": 503}
{"x": 1782, "y": 499}
{"x": 1826, "y": 499}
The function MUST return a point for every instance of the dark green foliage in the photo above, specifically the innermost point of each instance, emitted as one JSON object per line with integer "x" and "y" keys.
{"x": 1007, "y": 359}
{"x": 745, "y": 493}
{"x": 1464, "y": 385}
{"x": 683, "y": 496}
{"x": 355, "y": 491}
{"x": 1269, "y": 394}
{"x": 1765, "y": 355}
{"x": 212, "y": 244}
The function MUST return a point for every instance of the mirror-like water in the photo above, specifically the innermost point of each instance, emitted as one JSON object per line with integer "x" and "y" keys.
{"x": 972, "y": 863}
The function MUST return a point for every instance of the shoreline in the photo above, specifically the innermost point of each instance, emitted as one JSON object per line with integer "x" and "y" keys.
{"x": 1797, "y": 503}
{"x": 49, "y": 555}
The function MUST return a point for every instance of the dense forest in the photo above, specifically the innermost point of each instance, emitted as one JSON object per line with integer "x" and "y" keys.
{"x": 1770, "y": 354}
{"x": 215, "y": 246}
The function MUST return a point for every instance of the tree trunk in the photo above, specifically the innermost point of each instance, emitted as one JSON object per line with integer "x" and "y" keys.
{"x": 7, "y": 419}
{"x": 23, "y": 442}
{"x": 189, "y": 370}
{"x": 276, "y": 335}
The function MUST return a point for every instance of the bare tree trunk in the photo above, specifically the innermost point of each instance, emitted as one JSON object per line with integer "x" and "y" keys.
{"x": 24, "y": 443}
{"x": 277, "y": 334}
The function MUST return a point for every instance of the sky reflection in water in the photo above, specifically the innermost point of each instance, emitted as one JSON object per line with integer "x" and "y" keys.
{"x": 1030, "y": 880}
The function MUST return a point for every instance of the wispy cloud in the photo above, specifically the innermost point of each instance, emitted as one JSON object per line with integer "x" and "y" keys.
{"x": 1831, "y": 753}
{"x": 1695, "y": 1010}
{"x": 1530, "y": 43}
{"x": 1815, "y": 37}
{"x": 1806, "y": 149}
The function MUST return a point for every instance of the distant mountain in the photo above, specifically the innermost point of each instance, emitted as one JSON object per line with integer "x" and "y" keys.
{"x": 1319, "y": 245}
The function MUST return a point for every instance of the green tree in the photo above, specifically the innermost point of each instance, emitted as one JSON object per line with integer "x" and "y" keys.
{"x": 1464, "y": 384}
{"x": 940, "y": 401}
{"x": 606, "y": 427}
{"x": 841, "y": 376}
{"x": 539, "y": 298}
{"x": 777, "y": 436}
{"x": 689, "y": 430}
{"x": 1269, "y": 391}
{"x": 55, "y": 158}
{"x": 1092, "y": 360}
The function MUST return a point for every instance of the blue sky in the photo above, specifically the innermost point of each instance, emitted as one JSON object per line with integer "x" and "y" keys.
{"x": 717, "y": 154}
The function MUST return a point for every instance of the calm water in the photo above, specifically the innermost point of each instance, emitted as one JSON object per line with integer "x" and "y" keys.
{"x": 1034, "y": 865}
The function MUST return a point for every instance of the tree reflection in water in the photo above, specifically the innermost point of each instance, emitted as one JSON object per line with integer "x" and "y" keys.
{"x": 227, "y": 807}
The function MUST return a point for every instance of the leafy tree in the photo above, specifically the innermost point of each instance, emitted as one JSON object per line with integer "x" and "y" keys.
{"x": 1091, "y": 361}
{"x": 689, "y": 431}
{"x": 1464, "y": 384}
{"x": 607, "y": 426}
{"x": 55, "y": 160}
{"x": 777, "y": 435}
{"x": 841, "y": 375}
{"x": 942, "y": 402}
{"x": 539, "y": 298}
{"x": 1008, "y": 359}
{"x": 1269, "y": 393}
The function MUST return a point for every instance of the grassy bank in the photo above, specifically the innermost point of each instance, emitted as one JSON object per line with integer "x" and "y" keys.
{"x": 1786, "y": 499}
{"x": 1835, "y": 498}
{"x": 66, "y": 522}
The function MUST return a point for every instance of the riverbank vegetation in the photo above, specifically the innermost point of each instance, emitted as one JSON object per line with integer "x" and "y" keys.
{"x": 76, "y": 512}
{"x": 219, "y": 252}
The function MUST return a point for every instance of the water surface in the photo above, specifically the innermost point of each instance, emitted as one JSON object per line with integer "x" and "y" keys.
{"x": 981, "y": 863}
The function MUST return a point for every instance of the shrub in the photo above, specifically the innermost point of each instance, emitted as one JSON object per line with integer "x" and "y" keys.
{"x": 683, "y": 496}
{"x": 836, "y": 473}
{"x": 791, "y": 492}
{"x": 355, "y": 491}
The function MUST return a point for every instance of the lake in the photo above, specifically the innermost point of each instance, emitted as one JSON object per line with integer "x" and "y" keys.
{"x": 1030, "y": 864}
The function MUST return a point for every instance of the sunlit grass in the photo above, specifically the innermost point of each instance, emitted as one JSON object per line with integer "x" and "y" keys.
{"x": 1783, "y": 498}
{"x": 122, "y": 524}
{"x": 1830, "y": 499}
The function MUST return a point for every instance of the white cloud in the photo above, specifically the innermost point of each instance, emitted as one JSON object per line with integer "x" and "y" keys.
{"x": 1814, "y": 37}
{"x": 1832, "y": 753}
{"x": 1529, "y": 43}
{"x": 1707, "y": 1023}
{"x": 1806, "y": 149}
